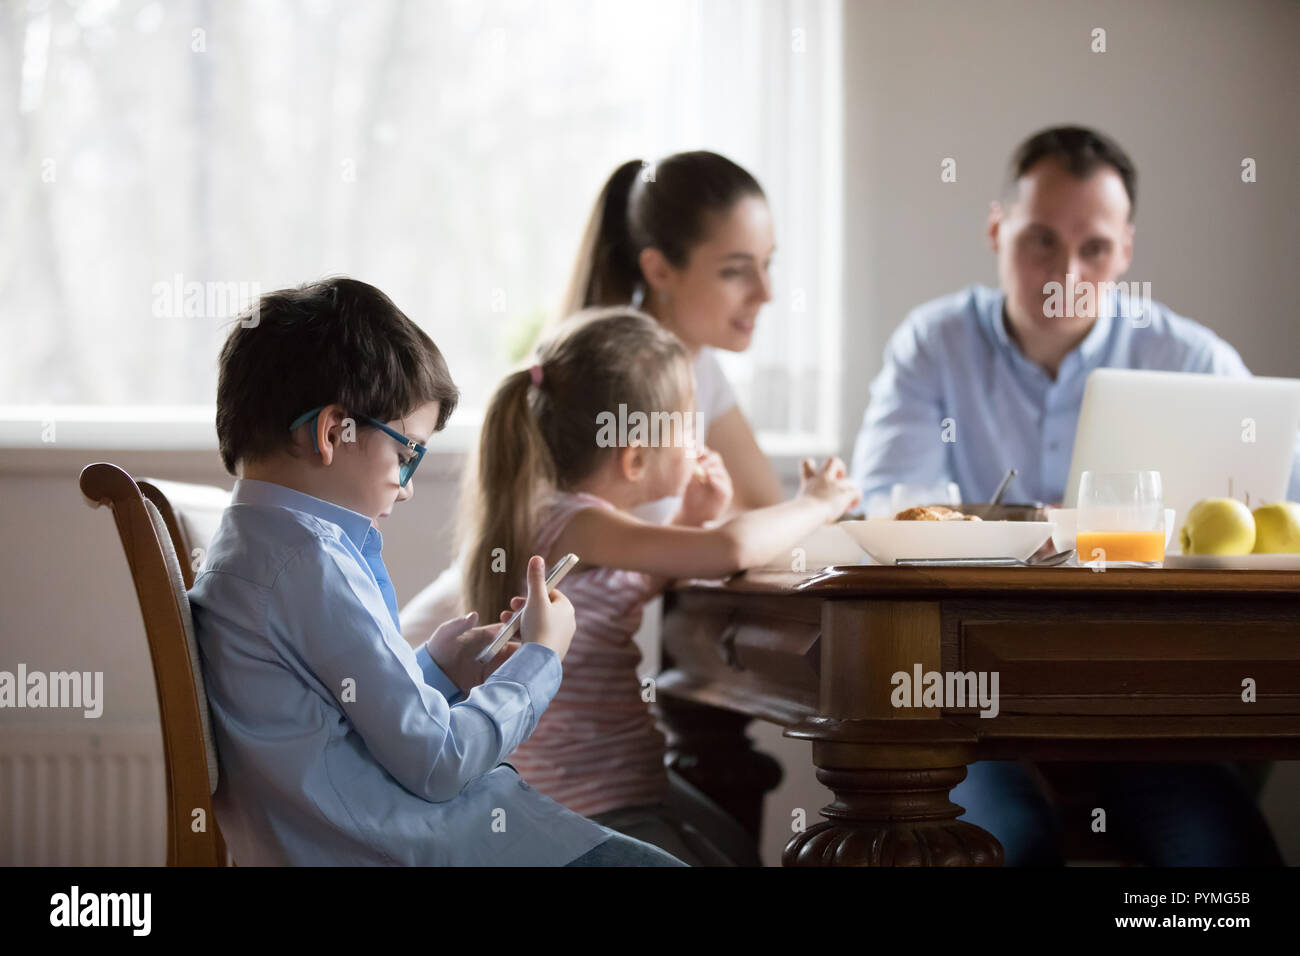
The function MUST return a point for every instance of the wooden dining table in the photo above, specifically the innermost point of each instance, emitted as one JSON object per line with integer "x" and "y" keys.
{"x": 1120, "y": 664}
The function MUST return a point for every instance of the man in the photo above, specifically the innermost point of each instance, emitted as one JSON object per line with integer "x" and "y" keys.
{"x": 984, "y": 380}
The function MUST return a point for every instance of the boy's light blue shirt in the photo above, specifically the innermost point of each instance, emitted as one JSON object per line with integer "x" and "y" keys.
{"x": 337, "y": 742}
{"x": 952, "y": 363}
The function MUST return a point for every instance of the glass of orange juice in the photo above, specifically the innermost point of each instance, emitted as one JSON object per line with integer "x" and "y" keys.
{"x": 1121, "y": 519}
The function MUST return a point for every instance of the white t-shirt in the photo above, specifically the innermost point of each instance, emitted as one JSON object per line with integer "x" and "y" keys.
{"x": 440, "y": 600}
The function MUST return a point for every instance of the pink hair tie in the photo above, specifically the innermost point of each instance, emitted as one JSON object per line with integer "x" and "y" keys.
{"x": 535, "y": 373}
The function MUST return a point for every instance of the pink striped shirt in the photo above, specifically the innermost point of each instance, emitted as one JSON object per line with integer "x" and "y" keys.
{"x": 596, "y": 748}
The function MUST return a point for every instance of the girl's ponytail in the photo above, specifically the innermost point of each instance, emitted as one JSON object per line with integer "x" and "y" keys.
{"x": 513, "y": 467}
{"x": 608, "y": 270}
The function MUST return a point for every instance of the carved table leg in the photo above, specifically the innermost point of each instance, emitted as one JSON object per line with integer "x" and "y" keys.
{"x": 890, "y": 765}
{"x": 890, "y": 816}
{"x": 709, "y": 748}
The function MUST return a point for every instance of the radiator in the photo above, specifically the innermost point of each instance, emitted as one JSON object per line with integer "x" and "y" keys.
{"x": 82, "y": 798}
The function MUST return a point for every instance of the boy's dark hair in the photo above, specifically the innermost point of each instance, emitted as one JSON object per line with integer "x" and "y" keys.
{"x": 1080, "y": 150}
{"x": 337, "y": 341}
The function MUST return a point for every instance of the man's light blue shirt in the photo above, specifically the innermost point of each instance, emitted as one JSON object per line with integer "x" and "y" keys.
{"x": 338, "y": 744}
{"x": 957, "y": 401}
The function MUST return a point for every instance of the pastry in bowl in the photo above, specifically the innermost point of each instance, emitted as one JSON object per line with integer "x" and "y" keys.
{"x": 933, "y": 513}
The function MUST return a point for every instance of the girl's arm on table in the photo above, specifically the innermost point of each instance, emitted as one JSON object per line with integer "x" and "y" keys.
{"x": 610, "y": 538}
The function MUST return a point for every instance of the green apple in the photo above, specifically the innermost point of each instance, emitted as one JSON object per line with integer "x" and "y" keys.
{"x": 1218, "y": 526}
{"x": 1277, "y": 528}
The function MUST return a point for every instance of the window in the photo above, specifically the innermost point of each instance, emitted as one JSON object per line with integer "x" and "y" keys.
{"x": 172, "y": 160}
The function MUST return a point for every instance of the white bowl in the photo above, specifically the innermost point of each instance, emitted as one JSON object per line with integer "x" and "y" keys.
{"x": 887, "y": 540}
{"x": 826, "y": 546}
{"x": 1066, "y": 521}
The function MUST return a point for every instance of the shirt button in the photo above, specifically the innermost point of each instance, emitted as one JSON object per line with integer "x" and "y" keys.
{"x": 1053, "y": 445}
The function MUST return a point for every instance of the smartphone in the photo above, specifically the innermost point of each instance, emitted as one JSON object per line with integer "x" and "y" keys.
{"x": 556, "y": 575}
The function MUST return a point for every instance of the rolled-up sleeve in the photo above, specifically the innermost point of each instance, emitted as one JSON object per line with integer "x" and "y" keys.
{"x": 332, "y": 619}
{"x": 900, "y": 439}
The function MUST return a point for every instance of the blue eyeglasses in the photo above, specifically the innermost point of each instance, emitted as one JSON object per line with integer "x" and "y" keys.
{"x": 409, "y": 461}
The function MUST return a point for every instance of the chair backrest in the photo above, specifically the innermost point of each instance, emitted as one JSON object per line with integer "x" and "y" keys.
{"x": 188, "y": 749}
{"x": 191, "y": 513}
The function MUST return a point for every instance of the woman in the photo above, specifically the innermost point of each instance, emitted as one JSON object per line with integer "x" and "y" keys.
{"x": 689, "y": 240}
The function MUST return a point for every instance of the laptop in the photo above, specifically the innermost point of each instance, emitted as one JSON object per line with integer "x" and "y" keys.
{"x": 1208, "y": 436}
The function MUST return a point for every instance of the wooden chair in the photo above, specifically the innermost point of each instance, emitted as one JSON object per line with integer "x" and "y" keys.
{"x": 160, "y": 585}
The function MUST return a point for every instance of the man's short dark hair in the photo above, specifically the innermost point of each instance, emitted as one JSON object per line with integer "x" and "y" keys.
{"x": 1080, "y": 150}
{"x": 337, "y": 341}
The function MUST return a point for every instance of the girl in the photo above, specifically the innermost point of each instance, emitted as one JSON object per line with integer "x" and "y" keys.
{"x": 550, "y": 481}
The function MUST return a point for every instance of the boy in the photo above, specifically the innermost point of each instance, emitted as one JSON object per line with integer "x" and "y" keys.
{"x": 338, "y": 743}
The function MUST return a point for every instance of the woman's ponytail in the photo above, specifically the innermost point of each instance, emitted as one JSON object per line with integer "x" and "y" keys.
{"x": 667, "y": 207}
{"x": 607, "y": 271}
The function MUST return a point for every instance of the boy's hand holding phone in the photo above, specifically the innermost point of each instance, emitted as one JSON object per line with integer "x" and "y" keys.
{"x": 548, "y": 616}
{"x": 707, "y": 492}
{"x": 548, "y": 619}
{"x": 829, "y": 484}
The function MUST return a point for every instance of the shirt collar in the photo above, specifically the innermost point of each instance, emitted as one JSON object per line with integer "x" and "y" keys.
{"x": 1087, "y": 353}
{"x": 1089, "y": 350}
{"x": 993, "y": 316}
{"x": 250, "y": 491}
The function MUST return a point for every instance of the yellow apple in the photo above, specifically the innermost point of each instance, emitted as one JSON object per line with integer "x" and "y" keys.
{"x": 1277, "y": 528}
{"x": 1218, "y": 526}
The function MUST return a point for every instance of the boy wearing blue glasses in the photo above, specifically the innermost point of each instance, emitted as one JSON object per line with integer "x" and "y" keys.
{"x": 338, "y": 743}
